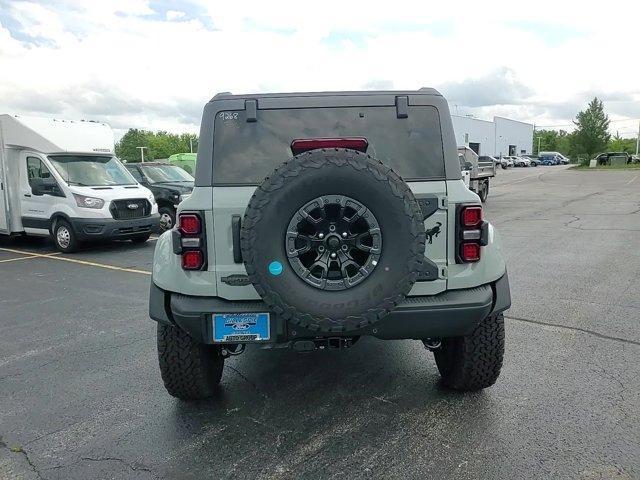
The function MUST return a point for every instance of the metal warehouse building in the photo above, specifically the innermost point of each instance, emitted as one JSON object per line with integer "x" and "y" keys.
{"x": 502, "y": 136}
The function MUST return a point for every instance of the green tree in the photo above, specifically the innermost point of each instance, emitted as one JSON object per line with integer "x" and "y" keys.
{"x": 592, "y": 129}
{"x": 158, "y": 145}
{"x": 619, "y": 144}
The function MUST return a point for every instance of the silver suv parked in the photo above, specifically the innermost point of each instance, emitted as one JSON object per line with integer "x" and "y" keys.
{"x": 320, "y": 218}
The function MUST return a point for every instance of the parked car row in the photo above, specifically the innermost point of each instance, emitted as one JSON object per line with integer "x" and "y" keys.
{"x": 545, "y": 158}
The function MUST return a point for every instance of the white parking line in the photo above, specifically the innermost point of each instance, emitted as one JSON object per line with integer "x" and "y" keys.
{"x": 632, "y": 180}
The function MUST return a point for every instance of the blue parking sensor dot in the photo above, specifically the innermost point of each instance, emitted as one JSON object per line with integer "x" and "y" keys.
{"x": 275, "y": 268}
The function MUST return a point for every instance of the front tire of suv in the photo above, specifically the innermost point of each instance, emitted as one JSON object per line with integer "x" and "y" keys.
{"x": 189, "y": 370}
{"x": 473, "y": 362}
{"x": 167, "y": 218}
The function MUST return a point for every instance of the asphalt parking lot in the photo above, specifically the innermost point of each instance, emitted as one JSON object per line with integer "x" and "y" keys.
{"x": 81, "y": 396}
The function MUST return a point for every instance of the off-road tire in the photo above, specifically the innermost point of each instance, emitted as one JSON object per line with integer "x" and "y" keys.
{"x": 72, "y": 245}
{"x": 141, "y": 238}
{"x": 473, "y": 362}
{"x": 333, "y": 171}
{"x": 190, "y": 370}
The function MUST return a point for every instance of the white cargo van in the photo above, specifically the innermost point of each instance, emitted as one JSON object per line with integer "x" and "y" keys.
{"x": 61, "y": 178}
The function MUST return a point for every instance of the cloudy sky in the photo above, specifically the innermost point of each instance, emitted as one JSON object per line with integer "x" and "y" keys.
{"x": 153, "y": 64}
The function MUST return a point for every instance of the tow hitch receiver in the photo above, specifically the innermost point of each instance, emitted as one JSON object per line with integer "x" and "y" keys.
{"x": 331, "y": 343}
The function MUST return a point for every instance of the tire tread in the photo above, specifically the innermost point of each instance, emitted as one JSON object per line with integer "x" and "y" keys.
{"x": 189, "y": 370}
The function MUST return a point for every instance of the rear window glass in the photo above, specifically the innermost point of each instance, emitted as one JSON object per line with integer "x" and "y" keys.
{"x": 246, "y": 152}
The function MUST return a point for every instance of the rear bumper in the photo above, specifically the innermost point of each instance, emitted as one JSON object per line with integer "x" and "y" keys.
{"x": 449, "y": 314}
{"x": 109, "y": 228}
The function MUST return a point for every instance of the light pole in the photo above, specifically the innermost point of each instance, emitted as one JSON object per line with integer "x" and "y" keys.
{"x": 141, "y": 153}
{"x": 638, "y": 139}
{"x": 539, "y": 138}
{"x": 191, "y": 145}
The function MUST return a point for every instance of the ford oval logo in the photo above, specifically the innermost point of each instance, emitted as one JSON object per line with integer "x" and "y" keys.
{"x": 240, "y": 326}
{"x": 132, "y": 206}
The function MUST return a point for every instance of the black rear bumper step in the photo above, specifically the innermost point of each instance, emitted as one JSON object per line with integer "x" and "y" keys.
{"x": 448, "y": 314}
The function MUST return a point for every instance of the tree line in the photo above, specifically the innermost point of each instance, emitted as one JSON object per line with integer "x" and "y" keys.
{"x": 157, "y": 145}
{"x": 590, "y": 137}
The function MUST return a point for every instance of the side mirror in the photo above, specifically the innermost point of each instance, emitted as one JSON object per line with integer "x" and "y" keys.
{"x": 468, "y": 166}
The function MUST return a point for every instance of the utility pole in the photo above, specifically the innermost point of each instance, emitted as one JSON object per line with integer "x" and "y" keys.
{"x": 539, "y": 138}
{"x": 141, "y": 153}
{"x": 191, "y": 145}
{"x": 638, "y": 139}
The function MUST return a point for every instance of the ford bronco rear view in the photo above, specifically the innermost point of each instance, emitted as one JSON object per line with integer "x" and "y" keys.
{"x": 319, "y": 218}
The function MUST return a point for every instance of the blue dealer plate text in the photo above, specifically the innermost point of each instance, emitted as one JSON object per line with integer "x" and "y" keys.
{"x": 240, "y": 327}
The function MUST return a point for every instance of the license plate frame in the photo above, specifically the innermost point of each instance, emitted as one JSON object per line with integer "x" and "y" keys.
{"x": 241, "y": 327}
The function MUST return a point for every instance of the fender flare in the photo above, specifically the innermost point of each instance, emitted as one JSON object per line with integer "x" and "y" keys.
{"x": 54, "y": 219}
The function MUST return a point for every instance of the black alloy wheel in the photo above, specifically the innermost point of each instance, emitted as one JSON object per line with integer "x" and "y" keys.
{"x": 333, "y": 242}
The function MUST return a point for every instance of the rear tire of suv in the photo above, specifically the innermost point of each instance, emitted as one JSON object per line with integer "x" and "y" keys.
{"x": 190, "y": 370}
{"x": 473, "y": 362}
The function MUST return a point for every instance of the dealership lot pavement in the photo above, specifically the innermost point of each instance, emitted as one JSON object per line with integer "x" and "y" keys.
{"x": 81, "y": 396}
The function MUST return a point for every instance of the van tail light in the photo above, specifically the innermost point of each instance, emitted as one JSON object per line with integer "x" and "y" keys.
{"x": 471, "y": 233}
{"x": 189, "y": 241}
{"x": 300, "y": 145}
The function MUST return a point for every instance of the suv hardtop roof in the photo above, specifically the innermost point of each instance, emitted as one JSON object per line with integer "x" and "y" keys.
{"x": 230, "y": 96}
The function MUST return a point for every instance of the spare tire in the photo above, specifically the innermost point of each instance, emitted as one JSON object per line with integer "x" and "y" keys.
{"x": 333, "y": 240}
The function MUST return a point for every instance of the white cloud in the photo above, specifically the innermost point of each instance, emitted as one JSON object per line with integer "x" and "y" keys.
{"x": 174, "y": 15}
{"x": 134, "y": 65}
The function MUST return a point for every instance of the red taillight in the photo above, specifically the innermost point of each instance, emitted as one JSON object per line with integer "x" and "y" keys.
{"x": 471, "y": 216}
{"x": 192, "y": 260}
{"x": 189, "y": 224}
{"x": 470, "y": 252}
{"x": 471, "y": 233}
{"x": 300, "y": 145}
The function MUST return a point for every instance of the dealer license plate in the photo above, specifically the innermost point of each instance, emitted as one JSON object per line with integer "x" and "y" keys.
{"x": 241, "y": 327}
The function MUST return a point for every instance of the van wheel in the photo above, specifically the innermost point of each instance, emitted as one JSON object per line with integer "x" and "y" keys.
{"x": 141, "y": 238}
{"x": 64, "y": 237}
{"x": 189, "y": 370}
{"x": 473, "y": 362}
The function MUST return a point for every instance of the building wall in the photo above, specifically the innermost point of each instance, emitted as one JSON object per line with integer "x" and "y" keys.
{"x": 512, "y": 132}
{"x": 494, "y": 137}
{"x": 477, "y": 131}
